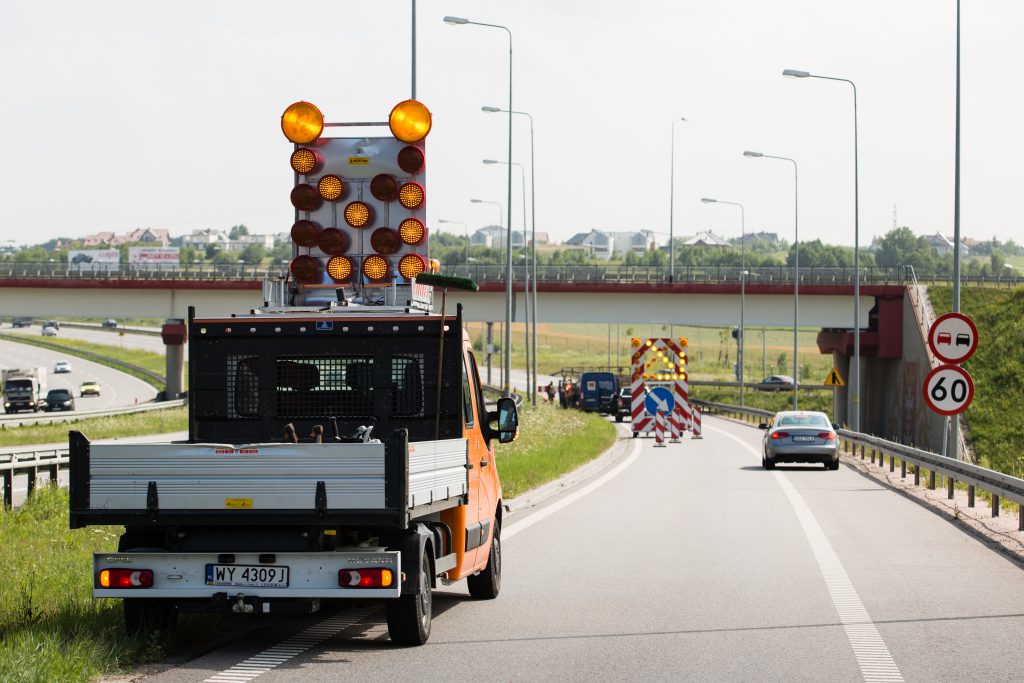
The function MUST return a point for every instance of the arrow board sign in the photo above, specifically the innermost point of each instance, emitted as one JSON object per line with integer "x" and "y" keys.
{"x": 948, "y": 390}
{"x": 953, "y": 338}
{"x": 659, "y": 400}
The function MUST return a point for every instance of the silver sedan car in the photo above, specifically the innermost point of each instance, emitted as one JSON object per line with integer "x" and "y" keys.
{"x": 800, "y": 436}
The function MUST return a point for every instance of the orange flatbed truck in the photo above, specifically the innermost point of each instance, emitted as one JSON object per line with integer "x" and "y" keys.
{"x": 339, "y": 446}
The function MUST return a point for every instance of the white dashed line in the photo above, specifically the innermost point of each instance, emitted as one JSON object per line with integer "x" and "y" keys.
{"x": 274, "y": 656}
{"x": 870, "y": 651}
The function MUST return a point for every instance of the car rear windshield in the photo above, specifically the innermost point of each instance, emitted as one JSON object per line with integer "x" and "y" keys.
{"x": 59, "y": 394}
{"x": 804, "y": 421}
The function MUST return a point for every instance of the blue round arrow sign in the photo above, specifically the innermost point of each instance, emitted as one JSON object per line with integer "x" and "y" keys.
{"x": 659, "y": 400}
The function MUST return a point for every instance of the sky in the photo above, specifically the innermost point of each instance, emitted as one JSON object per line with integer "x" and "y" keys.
{"x": 120, "y": 115}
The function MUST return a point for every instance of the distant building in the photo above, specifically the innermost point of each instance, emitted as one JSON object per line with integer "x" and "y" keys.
{"x": 493, "y": 237}
{"x": 604, "y": 245}
{"x": 769, "y": 237}
{"x": 243, "y": 241}
{"x": 706, "y": 239}
{"x": 203, "y": 237}
{"x": 150, "y": 236}
{"x": 941, "y": 244}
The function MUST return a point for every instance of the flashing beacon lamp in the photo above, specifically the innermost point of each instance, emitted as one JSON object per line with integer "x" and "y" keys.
{"x": 360, "y": 202}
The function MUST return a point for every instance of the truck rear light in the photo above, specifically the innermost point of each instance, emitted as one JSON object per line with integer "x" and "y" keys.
{"x": 780, "y": 435}
{"x": 358, "y": 214}
{"x": 330, "y": 187}
{"x": 304, "y": 233}
{"x": 411, "y": 195}
{"x": 384, "y": 187}
{"x": 411, "y": 231}
{"x": 411, "y": 265}
{"x": 126, "y": 578}
{"x": 365, "y": 578}
{"x": 828, "y": 436}
{"x": 376, "y": 268}
{"x": 306, "y": 198}
{"x": 384, "y": 241}
{"x": 332, "y": 242}
{"x": 305, "y": 161}
{"x": 305, "y": 268}
{"x": 410, "y": 159}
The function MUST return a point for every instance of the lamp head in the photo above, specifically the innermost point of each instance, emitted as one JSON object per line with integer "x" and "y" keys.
{"x": 489, "y": 109}
{"x": 477, "y": 201}
{"x": 748, "y": 153}
{"x": 490, "y": 161}
{"x": 795, "y": 73}
{"x": 708, "y": 200}
{"x": 455, "y": 20}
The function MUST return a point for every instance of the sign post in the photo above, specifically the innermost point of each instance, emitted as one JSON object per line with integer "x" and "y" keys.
{"x": 949, "y": 389}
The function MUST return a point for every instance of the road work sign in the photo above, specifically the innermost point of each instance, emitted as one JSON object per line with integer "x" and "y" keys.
{"x": 659, "y": 400}
{"x": 834, "y": 380}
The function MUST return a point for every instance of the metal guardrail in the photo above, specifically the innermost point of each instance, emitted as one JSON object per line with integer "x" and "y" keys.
{"x": 998, "y": 484}
{"x": 31, "y": 462}
{"x": 19, "y": 420}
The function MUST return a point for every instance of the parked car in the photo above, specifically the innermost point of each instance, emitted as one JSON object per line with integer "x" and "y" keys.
{"x": 49, "y": 331}
{"x": 61, "y": 366}
{"x": 597, "y": 391}
{"x": 59, "y": 399}
{"x": 775, "y": 383}
{"x": 90, "y": 388}
{"x": 800, "y": 436}
{"x": 623, "y": 403}
{"x": 109, "y": 324}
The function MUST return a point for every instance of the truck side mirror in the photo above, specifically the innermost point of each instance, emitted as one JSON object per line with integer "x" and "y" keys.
{"x": 508, "y": 420}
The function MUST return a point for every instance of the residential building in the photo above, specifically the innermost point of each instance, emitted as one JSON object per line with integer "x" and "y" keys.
{"x": 944, "y": 245}
{"x": 604, "y": 245}
{"x": 493, "y": 237}
{"x": 204, "y": 237}
{"x": 706, "y": 239}
{"x": 155, "y": 237}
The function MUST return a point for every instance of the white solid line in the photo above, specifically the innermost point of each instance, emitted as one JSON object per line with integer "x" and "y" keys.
{"x": 874, "y": 660}
{"x": 515, "y": 527}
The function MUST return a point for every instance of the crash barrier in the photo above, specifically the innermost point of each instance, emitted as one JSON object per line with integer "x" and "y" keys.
{"x": 997, "y": 484}
{"x": 28, "y": 419}
{"x": 30, "y": 462}
{"x": 88, "y": 355}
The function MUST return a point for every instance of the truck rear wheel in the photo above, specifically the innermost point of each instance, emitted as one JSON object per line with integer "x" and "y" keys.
{"x": 486, "y": 584}
{"x": 409, "y": 615}
{"x": 146, "y": 616}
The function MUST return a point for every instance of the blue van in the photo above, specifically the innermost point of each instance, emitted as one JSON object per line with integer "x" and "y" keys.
{"x": 598, "y": 391}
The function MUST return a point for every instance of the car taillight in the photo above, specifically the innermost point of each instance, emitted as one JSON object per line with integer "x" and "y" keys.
{"x": 126, "y": 578}
{"x": 780, "y": 435}
{"x": 828, "y": 436}
{"x": 365, "y": 578}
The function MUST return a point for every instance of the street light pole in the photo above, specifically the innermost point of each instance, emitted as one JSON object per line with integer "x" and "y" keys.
{"x": 855, "y": 374}
{"x": 533, "y": 234}
{"x": 526, "y": 280}
{"x": 743, "y": 287}
{"x": 507, "y": 338}
{"x": 466, "y": 229}
{"x": 796, "y": 267}
{"x": 672, "y": 206}
{"x": 506, "y": 390}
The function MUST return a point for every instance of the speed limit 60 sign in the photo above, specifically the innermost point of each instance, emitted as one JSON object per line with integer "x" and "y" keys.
{"x": 948, "y": 390}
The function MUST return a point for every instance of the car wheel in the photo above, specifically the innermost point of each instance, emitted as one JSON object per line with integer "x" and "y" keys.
{"x": 833, "y": 465}
{"x": 486, "y": 584}
{"x": 409, "y": 616}
{"x": 768, "y": 463}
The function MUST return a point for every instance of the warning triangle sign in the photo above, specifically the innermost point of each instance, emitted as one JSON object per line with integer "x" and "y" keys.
{"x": 834, "y": 380}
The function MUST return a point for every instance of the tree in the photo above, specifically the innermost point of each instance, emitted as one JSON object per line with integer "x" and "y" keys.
{"x": 226, "y": 258}
{"x": 901, "y": 247}
{"x": 237, "y": 231}
{"x": 252, "y": 254}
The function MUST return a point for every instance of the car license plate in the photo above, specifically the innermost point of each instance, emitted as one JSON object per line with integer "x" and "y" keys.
{"x": 246, "y": 576}
{"x": 803, "y": 438}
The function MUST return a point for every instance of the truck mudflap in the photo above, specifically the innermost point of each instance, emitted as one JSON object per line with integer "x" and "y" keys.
{"x": 366, "y": 573}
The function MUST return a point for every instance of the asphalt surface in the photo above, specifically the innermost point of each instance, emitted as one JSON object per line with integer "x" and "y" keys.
{"x": 689, "y": 562}
{"x": 116, "y": 388}
{"x": 147, "y": 342}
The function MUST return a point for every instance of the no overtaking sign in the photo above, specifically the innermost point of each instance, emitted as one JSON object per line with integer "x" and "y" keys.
{"x": 949, "y": 389}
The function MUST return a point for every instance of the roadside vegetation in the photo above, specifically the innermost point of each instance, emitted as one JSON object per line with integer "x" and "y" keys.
{"x": 134, "y": 424}
{"x": 154, "y": 362}
{"x": 998, "y": 372}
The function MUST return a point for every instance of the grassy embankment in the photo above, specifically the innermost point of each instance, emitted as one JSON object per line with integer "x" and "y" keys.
{"x": 135, "y": 424}
{"x": 51, "y": 629}
{"x": 998, "y": 372}
{"x": 154, "y": 362}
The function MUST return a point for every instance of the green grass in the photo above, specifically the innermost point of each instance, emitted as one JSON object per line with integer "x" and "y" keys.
{"x": 135, "y": 424}
{"x": 811, "y": 399}
{"x": 51, "y": 628}
{"x": 711, "y": 353}
{"x": 154, "y": 362}
{"x": 551, "y": 442}
{"x": 998, "y": 372}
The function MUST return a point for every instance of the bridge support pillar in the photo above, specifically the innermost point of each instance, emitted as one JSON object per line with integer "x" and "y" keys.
{"x": 175, "y": 334}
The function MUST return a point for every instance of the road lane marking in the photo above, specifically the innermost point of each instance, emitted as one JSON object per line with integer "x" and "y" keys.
{"x": 870, "y": 651}
{"x": 294, "y": 646}
{"x": 515, "y": 527}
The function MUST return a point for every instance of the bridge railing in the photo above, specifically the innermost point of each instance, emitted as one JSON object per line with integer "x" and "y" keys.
{"x": 997, "y": 484}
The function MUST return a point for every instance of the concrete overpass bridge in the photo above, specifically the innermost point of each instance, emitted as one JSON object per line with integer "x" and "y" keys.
{"x": 894, "y": 356}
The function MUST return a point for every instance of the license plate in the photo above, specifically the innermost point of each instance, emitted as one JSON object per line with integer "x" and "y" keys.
{"x": 803, "y": 438}
{"x": 246, "y": 576}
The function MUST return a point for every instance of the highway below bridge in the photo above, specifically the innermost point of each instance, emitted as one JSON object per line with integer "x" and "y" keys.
{"x": 689, "y": 562}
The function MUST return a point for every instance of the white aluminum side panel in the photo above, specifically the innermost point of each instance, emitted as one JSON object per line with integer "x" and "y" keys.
{"x": 206, "y": 476}
{"x": 312, "y": 575}
{"x": 437, "y": 470}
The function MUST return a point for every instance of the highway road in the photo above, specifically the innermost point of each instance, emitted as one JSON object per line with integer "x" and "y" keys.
{"x": 116, "y": 388}
{"x": 688, "y": 562}
{"x": 147, "y": 342}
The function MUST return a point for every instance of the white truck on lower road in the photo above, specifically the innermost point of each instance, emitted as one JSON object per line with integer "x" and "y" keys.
{"x": 24, "y": 389}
